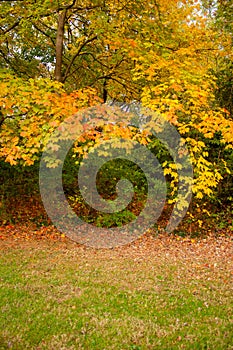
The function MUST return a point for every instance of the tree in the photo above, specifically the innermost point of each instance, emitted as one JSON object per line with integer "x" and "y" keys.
{"x": 60, "y": 56}
{"x": 220, "y": 15}
{"x": 78, "y": 43}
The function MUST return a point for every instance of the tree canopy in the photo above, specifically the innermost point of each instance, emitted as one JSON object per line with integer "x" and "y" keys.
{"x": 175, "y": 57}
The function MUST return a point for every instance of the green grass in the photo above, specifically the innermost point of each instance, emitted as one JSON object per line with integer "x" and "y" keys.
{"x": 72, "y": 298}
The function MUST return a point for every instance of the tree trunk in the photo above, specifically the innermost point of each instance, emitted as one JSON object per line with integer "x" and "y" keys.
{"x": 1, "y": 117}
{"x": 59, "y": 45}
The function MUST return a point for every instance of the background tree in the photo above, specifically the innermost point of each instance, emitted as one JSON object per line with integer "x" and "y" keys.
{"x": 220, "y": 13}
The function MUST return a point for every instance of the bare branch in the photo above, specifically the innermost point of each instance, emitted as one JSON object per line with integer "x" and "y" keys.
{"x": 76, "y": 55}
{"x": 12, "y": 27}
{"x": 44, "y": 33}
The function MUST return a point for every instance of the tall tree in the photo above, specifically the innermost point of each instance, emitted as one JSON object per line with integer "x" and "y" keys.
{"x": 78, "y": 43}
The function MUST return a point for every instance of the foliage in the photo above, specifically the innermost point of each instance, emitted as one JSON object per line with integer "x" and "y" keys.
{"x": 30, "y": 111}
{"x": 59, "y": 57}
{"x": 77, "y": 42}
{"x": 220, "y": 15}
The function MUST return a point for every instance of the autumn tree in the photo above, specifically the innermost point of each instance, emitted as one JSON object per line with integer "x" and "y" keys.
{"x": 77, "y": 43}
{"x": 220, "y": 15}
{"x": 60, "y": 56}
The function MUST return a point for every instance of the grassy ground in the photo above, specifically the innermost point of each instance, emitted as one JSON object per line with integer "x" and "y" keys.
{"x": 158, "y": 293}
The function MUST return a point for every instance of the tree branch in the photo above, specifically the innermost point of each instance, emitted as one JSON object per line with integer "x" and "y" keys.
{"x": 12, "y": 27}
{"x": 76, "y": 55}
{"x": 44, "y": 33}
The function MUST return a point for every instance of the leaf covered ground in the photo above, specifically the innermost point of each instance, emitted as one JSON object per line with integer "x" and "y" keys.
{"x": 160, "y": 292}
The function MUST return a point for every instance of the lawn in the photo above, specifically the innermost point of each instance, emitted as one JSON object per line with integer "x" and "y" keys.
{"x": 158, "y": 293}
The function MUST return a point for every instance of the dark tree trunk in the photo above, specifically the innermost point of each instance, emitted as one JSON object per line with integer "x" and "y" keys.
{"x": 105, "y": 92}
